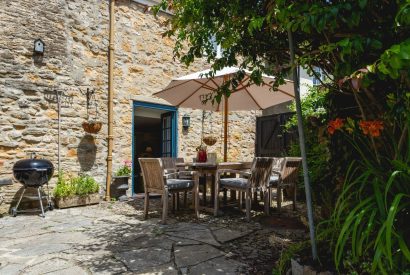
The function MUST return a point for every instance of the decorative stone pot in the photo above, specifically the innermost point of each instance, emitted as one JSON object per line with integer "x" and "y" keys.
{"x": 77, "y": 201}
{"x": 92, "y": 127}
{"x": 120, "y": 186}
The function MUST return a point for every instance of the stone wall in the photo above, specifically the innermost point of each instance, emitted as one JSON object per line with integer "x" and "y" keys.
{"x": 75, "y": 33}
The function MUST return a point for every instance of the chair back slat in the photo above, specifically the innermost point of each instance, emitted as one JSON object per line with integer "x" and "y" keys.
{"x": 169, "y": 163}
{"x": 260, "y": 172}
{"x": 152, "y": 172}
{"x": 278, "y": 164}
{"x": 246, "y": 165}
{"x": 290, "y": 172}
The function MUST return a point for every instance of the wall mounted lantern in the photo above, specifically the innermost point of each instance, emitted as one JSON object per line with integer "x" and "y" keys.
{"x": 186, "y": 121}
{"x": 39, "y": 46}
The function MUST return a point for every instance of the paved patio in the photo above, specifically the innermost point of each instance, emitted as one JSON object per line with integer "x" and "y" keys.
{"x": 112, "y": 238}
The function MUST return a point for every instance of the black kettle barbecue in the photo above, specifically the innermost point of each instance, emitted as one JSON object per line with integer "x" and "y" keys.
{"x": 34, "y": 173}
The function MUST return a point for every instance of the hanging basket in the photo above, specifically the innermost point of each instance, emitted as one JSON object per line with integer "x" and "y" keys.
{"x": 92, "y": 127}
{"x": 210, "y": 140}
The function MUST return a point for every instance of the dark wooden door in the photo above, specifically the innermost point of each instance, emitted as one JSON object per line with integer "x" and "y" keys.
{"x": 271, "y": 138}
{"x": 167, "y": 134}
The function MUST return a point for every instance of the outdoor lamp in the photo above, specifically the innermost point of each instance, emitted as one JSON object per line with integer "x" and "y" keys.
{"x": 186, "y": 121}
{"x": 39, "y": 46}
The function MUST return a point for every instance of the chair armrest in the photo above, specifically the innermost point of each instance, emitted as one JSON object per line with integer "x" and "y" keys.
{"x": 189, "y": 173}
{"x": 170, "y": 170}
{"x": 238, "y": 172}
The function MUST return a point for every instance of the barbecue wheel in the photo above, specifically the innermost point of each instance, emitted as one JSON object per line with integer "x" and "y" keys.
{"x": 50, "y": 206}
{"x": 14, "y": 212}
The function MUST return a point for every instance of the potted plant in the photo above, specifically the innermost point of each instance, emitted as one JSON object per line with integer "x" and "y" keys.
{"x": 120, "y": 184}
{"x": 92, "y": 126}
{"x": 75, "y": 191}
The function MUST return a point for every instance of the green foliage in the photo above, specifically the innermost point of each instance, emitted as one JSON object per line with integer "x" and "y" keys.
{"x": 395, "y": 61}
{"x": 71, "y": 186}
{"x": 314, "y": 115}
{"x": 373, "y": 209}
{"x": 313, "y": 107}
{"x": 374, "y": 224}
{"x": 125, "y": 169}
{"x": 362, "y": 47}
{"x": 288, "y": 254}
{"x": 64, "y": 188}
{"x": 85, "y": 185}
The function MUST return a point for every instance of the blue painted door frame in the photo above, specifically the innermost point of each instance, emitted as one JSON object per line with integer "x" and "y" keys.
{"x": 173, "y": 110}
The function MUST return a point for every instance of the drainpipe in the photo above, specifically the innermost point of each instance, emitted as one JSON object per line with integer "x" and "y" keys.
{"x": 110, "y": 99}
{"x": 302, "y": 145}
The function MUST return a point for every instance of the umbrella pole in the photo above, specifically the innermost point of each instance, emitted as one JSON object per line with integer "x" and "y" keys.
{"x": 302, "y": 145}
{"x": 225, "y": 128}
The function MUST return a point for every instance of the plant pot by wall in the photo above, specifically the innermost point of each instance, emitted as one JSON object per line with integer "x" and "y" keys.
{"x": 77, "y": 201}
{"x": 92, "y": 127}
{"x": 119, "y": 186}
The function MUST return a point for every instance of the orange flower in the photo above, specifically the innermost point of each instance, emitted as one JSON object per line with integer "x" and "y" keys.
{"x": 371, "y": 127}
{"x": 335, "y": 125}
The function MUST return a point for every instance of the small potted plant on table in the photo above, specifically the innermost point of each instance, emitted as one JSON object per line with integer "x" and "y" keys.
{"x": 76, "y": 191}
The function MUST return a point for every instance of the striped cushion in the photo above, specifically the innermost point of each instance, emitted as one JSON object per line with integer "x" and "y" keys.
{"x": 234, "y": 182}
{"x": 174, "y": 184}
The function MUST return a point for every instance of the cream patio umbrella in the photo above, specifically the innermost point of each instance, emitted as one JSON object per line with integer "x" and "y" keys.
{"x": 191, "y": 90}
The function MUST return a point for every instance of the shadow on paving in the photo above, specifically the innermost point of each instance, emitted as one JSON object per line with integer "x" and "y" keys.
{"x": 226, "y": 244}
{"x": 113, "y": 238}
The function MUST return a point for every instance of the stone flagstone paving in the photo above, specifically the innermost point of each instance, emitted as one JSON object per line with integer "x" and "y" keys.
{"x": 112, "y": 238}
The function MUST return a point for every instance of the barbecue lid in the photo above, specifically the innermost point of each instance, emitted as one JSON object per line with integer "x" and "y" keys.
{"x": 32, "y": 164}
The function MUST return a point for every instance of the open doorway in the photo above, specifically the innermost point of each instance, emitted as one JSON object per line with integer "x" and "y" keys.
{"x": 154, "y": 136}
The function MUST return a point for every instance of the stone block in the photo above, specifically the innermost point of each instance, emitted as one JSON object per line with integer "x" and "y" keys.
{"x": 34, "y": 131}
{"x": 32, "y": 139}
{"x": 195, "y": 254}
{"x": 9, "y": 144}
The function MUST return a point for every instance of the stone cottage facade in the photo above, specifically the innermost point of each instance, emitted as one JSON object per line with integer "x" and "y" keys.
{"x": 75, "y": 33}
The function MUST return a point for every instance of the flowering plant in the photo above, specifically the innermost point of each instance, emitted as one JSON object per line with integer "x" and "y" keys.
{"x": 368, "y": 127}
{"x": 372, "y": 208}
{"x": 125, "y": 169}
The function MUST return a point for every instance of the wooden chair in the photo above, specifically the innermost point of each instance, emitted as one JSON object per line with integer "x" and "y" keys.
{"x": 169, "y": 166}
{"x": 256, "y": 179}
{"x": 285, "y": 174}
{"x": 155, "y": 180}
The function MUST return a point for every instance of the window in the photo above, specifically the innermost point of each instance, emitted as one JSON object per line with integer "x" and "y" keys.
{"x": 217, "y": 47}
{"x": 318, "y": 76}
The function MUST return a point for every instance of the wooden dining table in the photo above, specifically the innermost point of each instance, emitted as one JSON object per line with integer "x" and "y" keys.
{"x": 209, "y": 171}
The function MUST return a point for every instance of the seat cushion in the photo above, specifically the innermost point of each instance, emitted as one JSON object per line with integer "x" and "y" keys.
{"x": 273, "y": 180}
{"x": 233, "y": 182}
{"x": 174, "y": 184}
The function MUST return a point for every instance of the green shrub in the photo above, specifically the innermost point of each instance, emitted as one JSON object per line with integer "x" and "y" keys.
{"x": 64, "y": 188}
{"x": 370, "y": 219}
{"x": 70, "y": 186}
{"x": 125, "y": 169}
{"x": 85, "y": 185}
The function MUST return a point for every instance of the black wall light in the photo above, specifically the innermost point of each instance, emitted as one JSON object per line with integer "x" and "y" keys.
{"x": 186, "y": 121}
{"x": 39, "y": 46}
